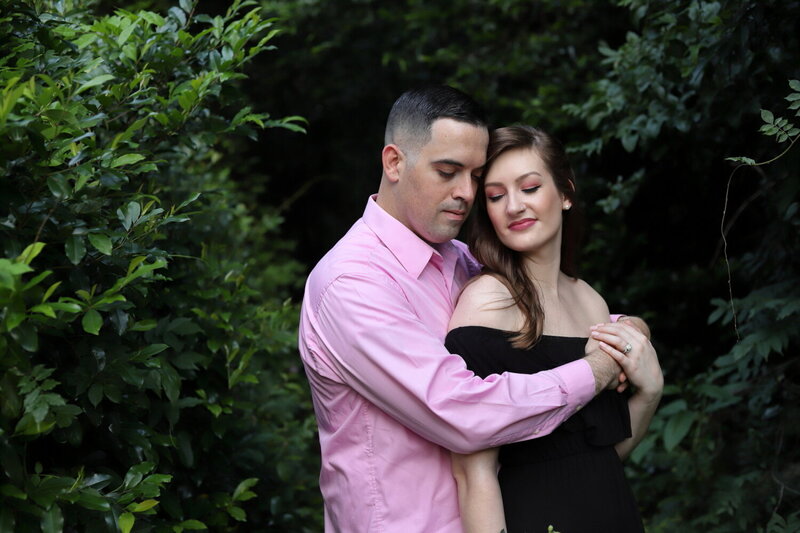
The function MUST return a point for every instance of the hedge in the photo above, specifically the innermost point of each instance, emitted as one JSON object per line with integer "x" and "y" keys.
{"x": 148, "y": 374}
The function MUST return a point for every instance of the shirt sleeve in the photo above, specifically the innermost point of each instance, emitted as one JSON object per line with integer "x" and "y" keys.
{"x": 368, "y": 337}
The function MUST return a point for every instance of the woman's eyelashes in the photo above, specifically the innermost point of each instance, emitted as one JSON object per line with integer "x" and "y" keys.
{"x": 495, "y": 196}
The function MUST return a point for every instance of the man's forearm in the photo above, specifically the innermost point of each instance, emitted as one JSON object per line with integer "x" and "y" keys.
{"x": 605, "y": 370}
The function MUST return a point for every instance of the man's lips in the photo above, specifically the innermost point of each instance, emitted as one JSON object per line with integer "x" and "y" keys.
{"x": 519, "y": 225}
{"x": 457, "y": 214}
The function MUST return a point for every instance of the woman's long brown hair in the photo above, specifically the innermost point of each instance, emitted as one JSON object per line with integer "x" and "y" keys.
{"x": 506, "y": 264}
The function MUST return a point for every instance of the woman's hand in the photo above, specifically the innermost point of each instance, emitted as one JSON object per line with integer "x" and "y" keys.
{"x": 632, "y": 350}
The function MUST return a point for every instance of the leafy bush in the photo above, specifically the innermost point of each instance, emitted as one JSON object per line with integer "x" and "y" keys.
{"x": 717, "y": 458}
{"x": 148, "y": 379}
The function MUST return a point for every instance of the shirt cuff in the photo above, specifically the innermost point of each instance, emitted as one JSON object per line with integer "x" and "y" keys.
{"x": 578, "y": 381}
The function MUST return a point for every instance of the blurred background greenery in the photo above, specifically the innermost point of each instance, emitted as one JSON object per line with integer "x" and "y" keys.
{"x": 149, "y": 379}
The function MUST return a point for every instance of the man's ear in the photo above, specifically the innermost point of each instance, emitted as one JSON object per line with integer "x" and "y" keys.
{"x": 393, "y": 160}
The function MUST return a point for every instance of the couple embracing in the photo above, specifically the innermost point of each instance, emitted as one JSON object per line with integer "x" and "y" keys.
{"x": 471, "y": 388}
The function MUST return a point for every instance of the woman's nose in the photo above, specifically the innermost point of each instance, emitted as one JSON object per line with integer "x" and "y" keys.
{"x": 514, "y": 205}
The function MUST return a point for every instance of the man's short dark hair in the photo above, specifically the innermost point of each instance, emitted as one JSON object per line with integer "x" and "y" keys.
{"x": 411, "y": 117}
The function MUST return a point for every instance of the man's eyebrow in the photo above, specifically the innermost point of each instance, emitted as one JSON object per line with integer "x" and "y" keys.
{"x": 518, "y": 178}
{"x": 451, "y": 162}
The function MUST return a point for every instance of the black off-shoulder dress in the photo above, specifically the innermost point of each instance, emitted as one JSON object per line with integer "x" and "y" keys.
{"x": 572, "y": 478}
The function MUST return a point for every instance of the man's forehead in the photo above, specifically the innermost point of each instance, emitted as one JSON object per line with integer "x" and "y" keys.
{"x": 448, "y": 123}
{"x": 457, "y": 143}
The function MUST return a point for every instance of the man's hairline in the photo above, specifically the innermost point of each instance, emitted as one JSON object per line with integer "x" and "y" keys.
{"x": 413, "y": 154}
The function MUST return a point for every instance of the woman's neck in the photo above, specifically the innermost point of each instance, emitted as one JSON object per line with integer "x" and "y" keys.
{"x": 544, "y": 267}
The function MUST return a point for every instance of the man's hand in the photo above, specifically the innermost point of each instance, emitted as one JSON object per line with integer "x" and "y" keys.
{"x": 636, "y": 322}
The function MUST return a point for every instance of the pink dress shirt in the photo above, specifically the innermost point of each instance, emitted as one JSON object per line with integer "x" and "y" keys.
{"x": 390, "y": 400}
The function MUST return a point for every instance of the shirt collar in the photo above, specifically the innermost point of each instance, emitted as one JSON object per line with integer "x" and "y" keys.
{"x": 411, "y": 251}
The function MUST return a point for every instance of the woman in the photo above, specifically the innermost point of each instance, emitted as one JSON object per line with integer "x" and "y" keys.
{"x": 526, "y": 313}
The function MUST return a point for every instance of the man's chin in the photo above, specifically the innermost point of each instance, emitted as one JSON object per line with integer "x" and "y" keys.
{"x": 444, "y": 235}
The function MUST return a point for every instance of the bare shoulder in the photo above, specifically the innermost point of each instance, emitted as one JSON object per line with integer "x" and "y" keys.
{"x": 485, "y": 301}
{"x": 590, "y": 300}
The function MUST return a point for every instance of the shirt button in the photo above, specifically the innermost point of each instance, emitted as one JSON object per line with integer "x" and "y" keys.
{"x": 536, "y": 431}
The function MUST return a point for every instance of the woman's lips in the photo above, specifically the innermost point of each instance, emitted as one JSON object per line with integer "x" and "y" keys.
{"x": 519, "y": 225}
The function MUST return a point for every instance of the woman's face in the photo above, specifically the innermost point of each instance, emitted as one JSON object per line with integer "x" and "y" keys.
{"x": 524, "y": 204}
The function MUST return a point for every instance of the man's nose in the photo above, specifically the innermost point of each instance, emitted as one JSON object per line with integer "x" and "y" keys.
{"x": 465, "y": 188}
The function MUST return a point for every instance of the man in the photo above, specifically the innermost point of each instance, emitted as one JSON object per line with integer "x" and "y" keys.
{"x": 390, "y": 400}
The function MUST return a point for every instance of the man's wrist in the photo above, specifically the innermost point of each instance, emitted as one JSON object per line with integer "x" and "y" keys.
{"x": 604, "y": 369}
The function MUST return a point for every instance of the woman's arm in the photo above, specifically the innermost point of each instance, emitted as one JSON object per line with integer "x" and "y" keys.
{"x": 479, "y": 498}
{"x": 641, "y": 407}
{"x": 483, "y": 302}
{"x": 641, "y": 366}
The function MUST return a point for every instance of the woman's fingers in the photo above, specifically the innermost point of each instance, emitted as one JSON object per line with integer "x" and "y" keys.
{"x": 640, "y": 363}
{"x": 618, "y": 340}
{"x": 618, "y": 356}
{"x": 632, "y": 350}
{"x": 620, "y": 329}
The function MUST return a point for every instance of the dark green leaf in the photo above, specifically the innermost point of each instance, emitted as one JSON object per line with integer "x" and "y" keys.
{"x": 142, "y": 506}
{"x": 96, "y": 394}
{"x": 127, "y": 159}
{"x": 237, "y": 513}
{"x": 195, "y": 525}
{"x": 101, "y": 242}
{"x": 31, "y": 252}
{"x": 129, "y": 215}
{"x": 94, "y": 82}
{"x": 13, "y": 492}
{"x": 243, "y": 486}
{"x": 75, "y": 249}
{"x": 52, "y": 520}
{"x": 677, "y": 428}
{"x": 91, "y": 322}
{"x": 59, "y": 187}
{"x": 27, "y": 336}
{"x": 92, "y": 499}
{"x": 125, "y": 522}
{"x": 178, "y": 15}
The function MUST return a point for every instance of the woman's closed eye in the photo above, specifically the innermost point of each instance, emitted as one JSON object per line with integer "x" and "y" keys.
{"x": 531, "y": 190}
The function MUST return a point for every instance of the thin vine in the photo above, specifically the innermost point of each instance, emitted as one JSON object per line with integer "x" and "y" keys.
{"x": 782, "y": 130}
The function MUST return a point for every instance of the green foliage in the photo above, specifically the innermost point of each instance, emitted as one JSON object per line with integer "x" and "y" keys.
{"x": 718, "y": 456}
{"x": 147, "y": 374}
{"x": 778, "y": 127}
